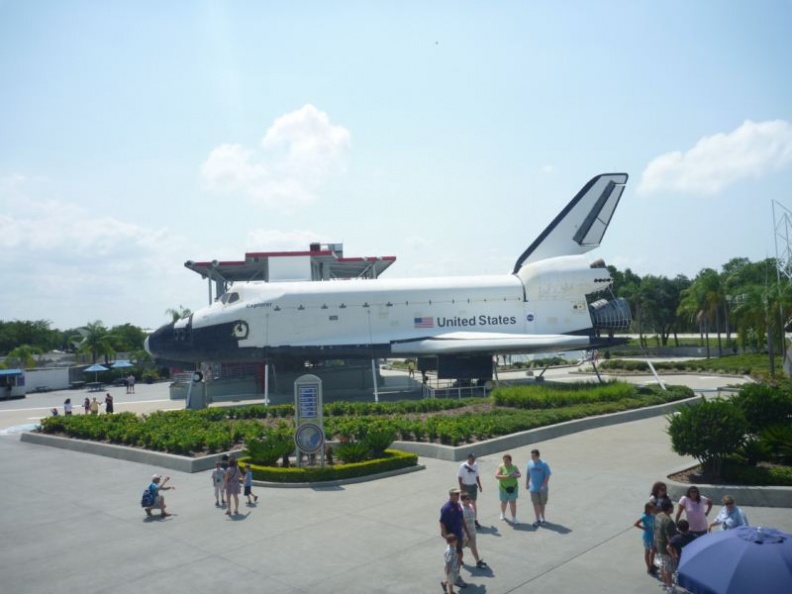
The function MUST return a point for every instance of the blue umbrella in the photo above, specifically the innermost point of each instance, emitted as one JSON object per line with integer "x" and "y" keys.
{"x": 744, "y": 559}
{"x": 121, "y": 363}
{"x": 95, "y": 368}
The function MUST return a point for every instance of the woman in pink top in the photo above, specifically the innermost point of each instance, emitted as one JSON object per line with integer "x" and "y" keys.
{"x": 696, "y": 508}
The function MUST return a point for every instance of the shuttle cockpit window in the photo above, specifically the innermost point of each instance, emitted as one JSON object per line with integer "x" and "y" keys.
{"x": 227, "y": 298}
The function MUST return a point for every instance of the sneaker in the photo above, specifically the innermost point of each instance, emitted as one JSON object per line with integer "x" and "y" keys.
{"x": 502, "y": 517}
{"x": 460, "y": 583}
{"x": 255, "y": 497}
{"x": 480, "y": 564}
{"x": 477, "y": 524}
{"x": 515, "y": 521}
{"x": 536, "y": 524}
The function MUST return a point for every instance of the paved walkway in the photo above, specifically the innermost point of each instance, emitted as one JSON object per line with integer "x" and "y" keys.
{"x": 72, "y": 522}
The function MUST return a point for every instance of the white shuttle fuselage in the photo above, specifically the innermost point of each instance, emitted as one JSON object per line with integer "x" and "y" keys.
{"x": 545, "y": 304}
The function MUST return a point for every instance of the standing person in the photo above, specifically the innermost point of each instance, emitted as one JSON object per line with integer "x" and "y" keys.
{"x": 659, "y": 494}
{"x": 696, "y": 508}
{"x": 249, "y": 485}
{"x": 410, "y": 368}
{"x": 108, "y": 404}
{"x": 232, "y": 479}
{"x": 452, "y": 521}
{"x": 508, "y": 476}
{"x": 218, "y": 483}
{"x": 451, "y": 564}
{"x": 94, "y": 406}
{"x": 646, "y": 523}
{"x": 156, "y": 500}
{"x": 469, "y": 515}
{"x": 664, "y": 531}
{"x": 536, "y": 481}
{"x": 67, "y": 407}
{"x": 679, "y": 541}
{"x": 470, "y": 482}
{"x": 87, "y": 405}
{"x": 730, "y": 516}
{"x": 131, "y": 384}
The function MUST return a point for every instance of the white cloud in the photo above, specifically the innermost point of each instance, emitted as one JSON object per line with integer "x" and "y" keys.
{"x": 717, "y": 161}
{"x": 299, "y": 152}
{"x": 63, "y": 263}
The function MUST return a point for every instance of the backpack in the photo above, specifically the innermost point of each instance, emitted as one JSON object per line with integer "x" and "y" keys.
{"x": 148, "y": 498}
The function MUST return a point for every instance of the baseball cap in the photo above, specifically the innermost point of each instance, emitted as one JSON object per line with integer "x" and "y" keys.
{"x": 472, "y": 455}
{"x": 454, "y": 490}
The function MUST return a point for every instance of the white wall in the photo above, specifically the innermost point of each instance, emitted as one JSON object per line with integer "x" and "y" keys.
{"x": 55, "y": 378}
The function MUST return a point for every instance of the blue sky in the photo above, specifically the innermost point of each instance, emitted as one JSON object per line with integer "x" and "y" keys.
{"x": 137, "y": 135}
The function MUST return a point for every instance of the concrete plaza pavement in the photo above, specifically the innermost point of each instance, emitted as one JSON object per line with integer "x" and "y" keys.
{"x": 72, "y": 522}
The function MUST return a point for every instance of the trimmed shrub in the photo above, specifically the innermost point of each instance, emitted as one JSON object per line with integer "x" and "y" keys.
{"x": 708, "y": 432}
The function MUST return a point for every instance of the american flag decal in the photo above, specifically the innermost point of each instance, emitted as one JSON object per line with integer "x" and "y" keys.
{"x": 423, "y": 322}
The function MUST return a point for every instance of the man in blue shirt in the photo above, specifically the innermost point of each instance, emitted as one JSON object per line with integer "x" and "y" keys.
{"x": 537, "y": 478}
{"x": 452, "y": 521}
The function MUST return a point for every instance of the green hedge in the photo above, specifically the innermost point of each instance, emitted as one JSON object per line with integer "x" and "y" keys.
{"x": 187, "y": 432}
{"x": 778, "y": 476}
{"x": 393, "y": 460}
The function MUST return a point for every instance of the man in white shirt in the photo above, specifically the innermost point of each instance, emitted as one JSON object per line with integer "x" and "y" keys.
{"x": 470, "y": 481}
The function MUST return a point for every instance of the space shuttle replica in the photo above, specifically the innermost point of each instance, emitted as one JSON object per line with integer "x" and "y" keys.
{"x": 553, "y": 300}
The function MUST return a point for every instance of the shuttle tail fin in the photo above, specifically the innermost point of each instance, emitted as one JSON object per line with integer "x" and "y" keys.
{"x": 581, "y": 226}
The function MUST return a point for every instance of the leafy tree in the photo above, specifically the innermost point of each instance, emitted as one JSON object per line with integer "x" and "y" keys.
{"x": 37, "y": 334}
{"x": 659, "y": 299}
{"x": 127, "y": 338}
{"x": 708, "y": 432}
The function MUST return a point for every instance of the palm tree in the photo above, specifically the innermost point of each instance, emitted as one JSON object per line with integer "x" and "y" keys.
{"x": 178, "y": 313}
{"x": 96, "y": 340}
{"x": 23, "y": 356}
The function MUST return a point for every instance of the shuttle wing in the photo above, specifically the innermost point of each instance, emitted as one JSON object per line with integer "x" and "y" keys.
{"x": 492, "y": 342}
{"x": 582, "y": 224}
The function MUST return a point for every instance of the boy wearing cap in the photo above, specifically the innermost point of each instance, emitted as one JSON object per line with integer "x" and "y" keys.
{"x": 470, "y": 481}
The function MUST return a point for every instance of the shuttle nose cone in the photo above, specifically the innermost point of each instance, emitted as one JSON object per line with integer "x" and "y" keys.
{"x": 146, "y": 346}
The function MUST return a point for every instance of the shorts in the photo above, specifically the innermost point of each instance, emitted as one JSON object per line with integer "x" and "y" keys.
{"x": 504, "y": 496}
{"x": 247, "y": 490}
{"x": 666, "y": 562}
{"x": 471, "y": 490}
{"x": 648, "y": 544}
{"x": 539, "y": 497}
{"x": 471, "y": 542}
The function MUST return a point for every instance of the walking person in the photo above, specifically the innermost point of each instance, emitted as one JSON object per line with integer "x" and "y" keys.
{"x": 249, "y": 485}
{"x": 470, "y": 482}
{"x": 131, "y": 384}
{"x": 452, "y": 521}
{"x": 232, "y": 479}
{"x": 218, "y": 483}
{"x": 469, "y": 515}
{"x": 508, "y": 476}
{"x": 696, "y": 508}
{"x": 451, "y": 564}
{"x": 108, "y": 404}
{"x": 537, "y": 483}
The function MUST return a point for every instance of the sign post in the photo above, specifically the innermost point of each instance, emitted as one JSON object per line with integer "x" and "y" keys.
{"x": 309, "y": 418}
